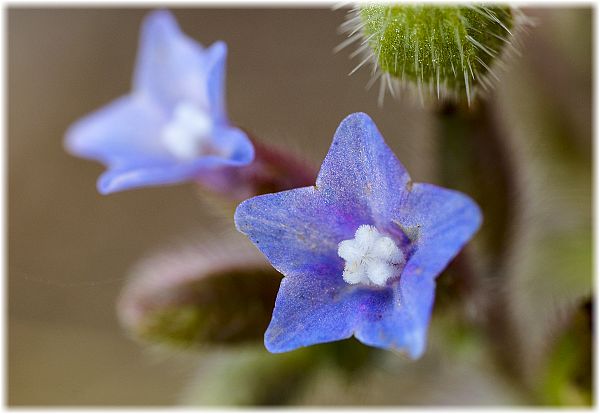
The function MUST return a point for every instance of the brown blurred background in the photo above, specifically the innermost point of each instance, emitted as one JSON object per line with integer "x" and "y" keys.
{"x": 70, "y": 249}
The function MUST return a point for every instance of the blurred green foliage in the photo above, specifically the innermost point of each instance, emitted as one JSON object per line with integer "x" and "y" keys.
{"x": 230, "y": 307}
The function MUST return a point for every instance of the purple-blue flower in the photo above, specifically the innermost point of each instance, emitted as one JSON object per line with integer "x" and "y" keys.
{"x": 360, "y": 250}
{"x": 173, "y": 126}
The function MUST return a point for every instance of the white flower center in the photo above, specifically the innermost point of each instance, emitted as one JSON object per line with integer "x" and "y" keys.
{"x": 188, "y": 133}
{"x": 371, "y": 258}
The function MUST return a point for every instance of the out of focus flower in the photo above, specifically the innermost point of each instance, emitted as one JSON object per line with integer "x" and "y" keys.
{"x": 173, "y": 126}
{"x": 360, "y": 251}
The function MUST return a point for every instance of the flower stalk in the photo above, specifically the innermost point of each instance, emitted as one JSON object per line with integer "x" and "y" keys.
{"x": 273, "y": 169}
{"x": 476, "y": 159}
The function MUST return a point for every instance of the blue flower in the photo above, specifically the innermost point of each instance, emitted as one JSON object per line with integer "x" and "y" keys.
{"x": 173, "y": 126}
{"x": 360, "y": 250}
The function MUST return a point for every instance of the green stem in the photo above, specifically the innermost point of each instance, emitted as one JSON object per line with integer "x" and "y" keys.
{"x": 476, "y": 160}
{"x": 273, "y": 169}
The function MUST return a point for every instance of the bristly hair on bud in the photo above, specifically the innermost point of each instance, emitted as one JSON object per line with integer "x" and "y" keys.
{"x": 433, "y": 52}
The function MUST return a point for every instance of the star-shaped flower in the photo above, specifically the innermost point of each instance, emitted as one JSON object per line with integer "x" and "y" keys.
{"x": 173, "y": 126}
{"x": 360, "y": 250}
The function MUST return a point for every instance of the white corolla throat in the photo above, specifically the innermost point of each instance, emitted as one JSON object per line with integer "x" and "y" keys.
{"x": 371, "y": 257}
{"x": 189, "y": 132}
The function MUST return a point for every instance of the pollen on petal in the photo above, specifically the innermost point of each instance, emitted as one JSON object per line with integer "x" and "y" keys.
{"x": 379, "y": 272}
{"x": 188, "y": 134}
{"x": 371, "y": 257}
{"x": 355, "y": 273}
{"x": 366, "y": 235}
{"x": 349, "y": 251}
{"x": 385, "y": 247}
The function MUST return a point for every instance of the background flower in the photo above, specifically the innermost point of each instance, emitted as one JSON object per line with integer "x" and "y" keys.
{"x": 173, "y": 126}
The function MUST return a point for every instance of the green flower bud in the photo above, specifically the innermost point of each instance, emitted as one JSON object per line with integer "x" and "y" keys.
{"x": 218, "y": 292}
{"x": 441, "y": 51}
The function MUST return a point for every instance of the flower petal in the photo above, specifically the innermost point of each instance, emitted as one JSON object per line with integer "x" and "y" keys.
{"x": 361, "y": 171}
{"x": 235, "y": 145}
{"x": 215, "y": 80}
{"x": 309, "y": 310}
{"x": 298, "y": 230}
{"x": 126, "y": 130}
{"x": 440, "y": 222}
{"x": 397, "y": 318}
{"x": 174, "y": 68}
{"x": 133, "y": 176}
{"x": 126, "y": 178}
